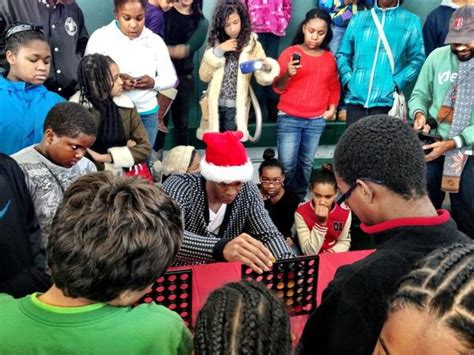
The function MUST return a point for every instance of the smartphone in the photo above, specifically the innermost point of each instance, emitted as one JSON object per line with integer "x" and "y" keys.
{"x": 296, "y": 57}
{"x": 427, "y": 138}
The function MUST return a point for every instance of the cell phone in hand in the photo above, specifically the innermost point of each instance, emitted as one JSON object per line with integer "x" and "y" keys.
{"x": 296, "y": 57}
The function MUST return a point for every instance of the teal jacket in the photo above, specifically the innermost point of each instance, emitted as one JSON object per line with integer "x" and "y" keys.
{"x": 436, "y": 77}
{"x": 363, "y": 62}
{"x": 23, "y": 109}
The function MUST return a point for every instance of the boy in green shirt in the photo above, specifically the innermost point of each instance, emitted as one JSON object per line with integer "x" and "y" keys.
{"x": 110, "y": 238}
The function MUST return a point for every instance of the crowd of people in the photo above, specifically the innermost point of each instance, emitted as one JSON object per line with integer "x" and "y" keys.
{"x": 82, "y": 242}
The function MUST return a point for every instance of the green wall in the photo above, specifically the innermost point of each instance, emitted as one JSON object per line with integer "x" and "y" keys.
{"x": 100, "y": 12}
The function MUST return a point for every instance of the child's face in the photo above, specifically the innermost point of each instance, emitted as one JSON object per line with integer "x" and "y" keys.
{"x": 271, "y": 179}
{"x": 324, "y": 194}
{"x": 131, "y": 17}
{"x": 66, "y": 151}
{"x": 232, "y": 25}
{"x": 166, "y": 5}
{"x": 315, "y": 31}
{"x": 410, "y": 331}
{"x": 117, "y": 83}
{"x": 31, "y": 63}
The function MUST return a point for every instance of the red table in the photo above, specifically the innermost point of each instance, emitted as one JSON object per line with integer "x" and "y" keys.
{"x": 208, "y": 277}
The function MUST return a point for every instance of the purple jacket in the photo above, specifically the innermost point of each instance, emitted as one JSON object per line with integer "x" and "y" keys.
{"x": 155, "y": 19}
{"x": 269, "y": 16}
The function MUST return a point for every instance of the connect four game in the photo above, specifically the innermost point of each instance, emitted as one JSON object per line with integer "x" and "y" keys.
{"x": 173, "y": 290}
{"x": 293, "y": 281}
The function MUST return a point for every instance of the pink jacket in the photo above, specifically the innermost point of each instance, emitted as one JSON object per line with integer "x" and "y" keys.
{"x": 269, "y": 16}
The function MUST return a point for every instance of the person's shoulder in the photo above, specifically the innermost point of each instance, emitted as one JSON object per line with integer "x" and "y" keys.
{"x": 376, "y": 271}
{"x": 303, "y": 206}
{"x": 53, "y": 97}
{"x": 26, "y": 155}
{"x": 6, "y": 299}
{"x": 86, "y": 165}
{"x": 158, "y": 317}
{"x": 124, "y": 101}
{"x": 406, "y": 15}
{"x": 182, "y": 183}
{"x": 104, "y": 31}
{"x": 152, "y": 37}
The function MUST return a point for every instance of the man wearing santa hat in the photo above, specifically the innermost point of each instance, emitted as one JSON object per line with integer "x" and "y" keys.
{"x": 224, "y": 216}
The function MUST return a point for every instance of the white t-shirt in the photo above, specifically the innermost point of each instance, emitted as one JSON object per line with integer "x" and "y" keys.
{"x": 216, "y": 219}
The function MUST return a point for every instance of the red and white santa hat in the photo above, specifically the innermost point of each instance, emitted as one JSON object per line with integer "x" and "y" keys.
{"x": 225, "y": 159}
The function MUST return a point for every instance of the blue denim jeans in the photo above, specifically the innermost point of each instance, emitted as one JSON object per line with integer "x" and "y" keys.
{"x": 297, "y": 140}
{"x": 462, "y": 203}
{"x": 151, "y": 125}
{"x": 337, "y": 34}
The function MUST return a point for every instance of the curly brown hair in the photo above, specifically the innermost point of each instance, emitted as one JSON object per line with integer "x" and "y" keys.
{"x": 223, "y": 10}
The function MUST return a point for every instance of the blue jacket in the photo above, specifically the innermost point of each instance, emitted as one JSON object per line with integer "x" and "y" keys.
{"x": 363, "y": 62}
{"x": 23, "y": 109}
{"x": 436, "y": 28}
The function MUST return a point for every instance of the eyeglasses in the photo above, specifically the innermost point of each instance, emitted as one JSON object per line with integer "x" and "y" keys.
{"x": 21, "y": 27}
{"x": 348, "y": 193}
{"x": 266, "y": 181}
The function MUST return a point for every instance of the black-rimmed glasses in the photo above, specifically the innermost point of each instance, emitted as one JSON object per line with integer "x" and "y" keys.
{"x": 346, "y": 194}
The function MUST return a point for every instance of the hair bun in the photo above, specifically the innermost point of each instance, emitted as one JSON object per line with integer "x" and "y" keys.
{"x": 327, "y": 167}
{"x": 269, "y": 154}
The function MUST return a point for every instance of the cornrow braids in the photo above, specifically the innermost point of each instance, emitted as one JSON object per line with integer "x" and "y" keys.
{"x": 95, "y": 79}
{"x": 242, "y": 318}
{"x": 223, "y": 10}
{"x": 443, "y": 285}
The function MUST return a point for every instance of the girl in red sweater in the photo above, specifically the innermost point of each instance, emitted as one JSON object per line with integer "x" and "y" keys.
{"x": 309, "y": 93}
{"x": 321, "y": 224}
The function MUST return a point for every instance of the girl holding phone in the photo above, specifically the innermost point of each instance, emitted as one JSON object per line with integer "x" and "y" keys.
{"x": 309, "y": 90}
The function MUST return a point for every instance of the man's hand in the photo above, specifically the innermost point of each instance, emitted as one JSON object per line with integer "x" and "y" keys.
{"x": 439, "y": 148}
{"x": 229, "y": 46}
{"x": 144, "y": 83}
{"x": 250, "y": 252}
{"x": 322, "y": 213}
{"x": 420, "y": 123}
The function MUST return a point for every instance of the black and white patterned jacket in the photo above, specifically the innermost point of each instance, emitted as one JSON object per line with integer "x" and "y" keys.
{"x": 246, "y": 214}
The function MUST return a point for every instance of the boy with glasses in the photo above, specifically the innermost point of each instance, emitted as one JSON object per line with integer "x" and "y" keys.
{"x": 381, "y": 172}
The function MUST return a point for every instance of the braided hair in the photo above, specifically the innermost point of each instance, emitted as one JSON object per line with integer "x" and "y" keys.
{"x": 95, "y": 83}
{"x": 242, "y": 318}
{"x": 223, "y": 10}
{"x": 443, "y": 285}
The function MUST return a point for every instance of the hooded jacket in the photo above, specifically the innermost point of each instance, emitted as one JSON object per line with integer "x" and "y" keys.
{"x": 22, "y": 256}
{"x": 363, "y": 62}
{"x": 23, "y": 110}
{"x": 436, "y": 26}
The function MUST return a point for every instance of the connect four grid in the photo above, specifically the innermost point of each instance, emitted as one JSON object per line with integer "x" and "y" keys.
{"x": 293, "y": 281}
{"x": 173, "y": 290}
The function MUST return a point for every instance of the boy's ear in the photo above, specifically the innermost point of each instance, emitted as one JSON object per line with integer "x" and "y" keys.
{"x": 49, "y": 135}
{"x": 367, "y": 191}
